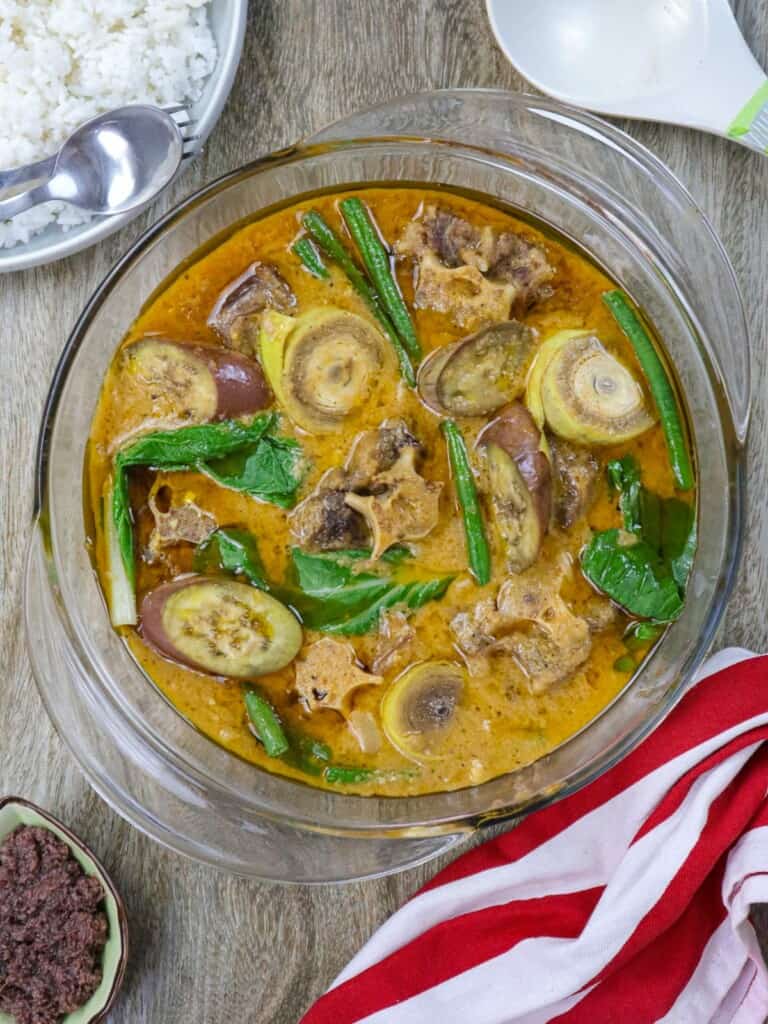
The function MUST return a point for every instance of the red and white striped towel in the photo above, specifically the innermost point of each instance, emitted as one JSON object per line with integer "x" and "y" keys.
{"x": 628, "y": 901}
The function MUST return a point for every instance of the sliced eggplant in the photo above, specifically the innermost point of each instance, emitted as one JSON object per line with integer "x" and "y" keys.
{"x": 420, "y": 705}
{"x": 519, "y": 483}
{"x": 589, "y": 397}
{"x": 514, "y": 510}
{"x": 429, "y": 375}
{"x": 514, "y": 430}
{"x": 192, "y": 383}
{"x": 237, "y": 313}
{"x": 220, "y": 626}
{"x": 332, "y": 362}
{"x": 477, "y": 375}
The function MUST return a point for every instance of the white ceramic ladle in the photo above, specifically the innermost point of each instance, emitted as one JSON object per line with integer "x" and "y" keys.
{"x": 680, "y": 61}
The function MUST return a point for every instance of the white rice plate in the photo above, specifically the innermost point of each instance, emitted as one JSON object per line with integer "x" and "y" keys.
{"x": 64, "y": 61}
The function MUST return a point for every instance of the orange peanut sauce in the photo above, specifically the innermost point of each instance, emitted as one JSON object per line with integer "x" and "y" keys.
{"x": 500, "y": 724}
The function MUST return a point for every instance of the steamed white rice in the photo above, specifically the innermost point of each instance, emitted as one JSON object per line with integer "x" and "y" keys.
{"x": 63, "y": 61}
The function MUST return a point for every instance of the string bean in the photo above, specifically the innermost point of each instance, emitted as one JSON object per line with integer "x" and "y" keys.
{"x": 478, "y": 552}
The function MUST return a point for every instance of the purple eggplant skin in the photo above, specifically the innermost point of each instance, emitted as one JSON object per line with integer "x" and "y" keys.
{"x": 226, "y": 629}
{"x": 151, "y": 626}
{"x": 515, "y": 432}
{"x": 239, "y": 383}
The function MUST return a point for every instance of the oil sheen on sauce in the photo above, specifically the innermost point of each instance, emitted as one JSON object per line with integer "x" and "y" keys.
{"x": 501, "y": 725}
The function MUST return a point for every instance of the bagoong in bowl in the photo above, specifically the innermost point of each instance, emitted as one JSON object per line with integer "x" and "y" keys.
{"x": 595, "y": 185}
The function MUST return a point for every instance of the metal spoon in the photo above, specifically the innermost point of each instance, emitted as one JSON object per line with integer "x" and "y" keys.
{"x": 680, "y": 61}
{"x": 110, "y": 164}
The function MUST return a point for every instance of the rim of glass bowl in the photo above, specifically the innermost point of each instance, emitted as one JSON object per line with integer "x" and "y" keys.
{"x": 344, "y": 814}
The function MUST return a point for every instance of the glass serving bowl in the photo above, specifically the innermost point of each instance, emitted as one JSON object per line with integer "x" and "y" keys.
{"x": 596, "y": 186}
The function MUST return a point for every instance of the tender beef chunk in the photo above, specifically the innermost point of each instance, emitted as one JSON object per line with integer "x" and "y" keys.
{"x": 464, "y": 292}
{"x": 455, "y": 240}
{"x": 598, "y": 613}
{"x": 522, "y": 263}
{"x": 531, "y": 623}
{"x": 236, "y": 315}
{"x": 324, "y": 521}
{"x": 377, "y": 499}
{"x": 327, "y": 673}
{"x": 176, "y": 524}
{"x": 376, "y": 451}
{"x": 52, "y": 928}
{"x": 475, "y": 630}
{"x": 473, "y": 273}
{"x": 395, "y": 642}
{"x": 575, "y": 471}
{"x": 401, "y": 505}
{"x": 548, "y": 657}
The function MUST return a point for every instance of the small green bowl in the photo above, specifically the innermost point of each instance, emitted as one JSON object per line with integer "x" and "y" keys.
{"x": 15, "y": 811}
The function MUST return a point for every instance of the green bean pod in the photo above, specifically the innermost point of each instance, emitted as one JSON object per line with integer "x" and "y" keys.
{"x": 478, "y": 551}
{"x": 326, "y": 238}
{"x": 376, "y": 260}
{"x": 343, "y": 775}
{"x": 266, "y": 723}
{"x": 658, "y": 381}
{"x": 307, "y": 252}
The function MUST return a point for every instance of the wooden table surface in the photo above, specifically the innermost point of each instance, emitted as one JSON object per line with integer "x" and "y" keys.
{"x": 208, "y": 948}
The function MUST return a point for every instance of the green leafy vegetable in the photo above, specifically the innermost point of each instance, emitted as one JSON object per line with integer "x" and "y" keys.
{"x": 645, "y": 567}
{"x": 242, "y": 456}
{"x": 234, "y": 551}
{"x": 118, "y": 532}
{"x": 272, "y": 471}
{"x": 678, "y": 539}
{"x": 332, "y": 598}
{"x": 394, "y": 555}
{"x": 247, "y": 457}
{"x": 640, "y": 508}
{"x": 630, "y": 572}
{"x": 123, "y": 523}
{"x": 325, "y": 591}
{"x": 668, "y": 525}
{"x": 188, "y": 447}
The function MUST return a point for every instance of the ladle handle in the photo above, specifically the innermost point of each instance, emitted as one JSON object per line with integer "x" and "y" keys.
{"x": 750, "y": 126}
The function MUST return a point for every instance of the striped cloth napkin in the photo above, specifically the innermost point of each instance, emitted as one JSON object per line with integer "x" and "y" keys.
{"x": 628, "y": 901}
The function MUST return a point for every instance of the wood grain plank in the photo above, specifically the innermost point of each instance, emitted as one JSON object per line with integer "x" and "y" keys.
{"x": 208, "y": 948}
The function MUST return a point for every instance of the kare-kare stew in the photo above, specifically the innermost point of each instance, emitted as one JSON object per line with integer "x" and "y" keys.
{"x": 391, "y": 491}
